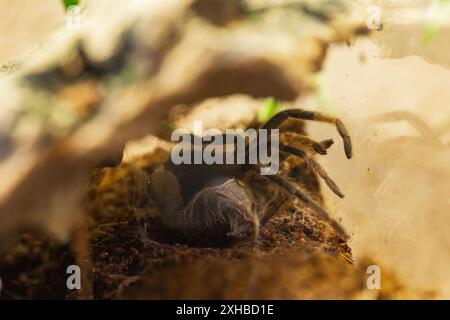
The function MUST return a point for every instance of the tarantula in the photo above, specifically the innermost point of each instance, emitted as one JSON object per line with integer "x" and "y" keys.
{"x": 224, "y": 204}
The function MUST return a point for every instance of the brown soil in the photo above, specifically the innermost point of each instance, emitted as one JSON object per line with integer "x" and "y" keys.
{"x": 129, "y": 240}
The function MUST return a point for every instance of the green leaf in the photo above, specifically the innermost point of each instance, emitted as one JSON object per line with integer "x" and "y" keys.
{"x": 439, "y": 12}
{"x": 429, "y": 31}
{"x": 269, "y": 109}
{"x": 68, "y": 3}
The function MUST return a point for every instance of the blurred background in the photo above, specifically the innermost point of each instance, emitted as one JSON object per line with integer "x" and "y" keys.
{"x": 25, "y": 24}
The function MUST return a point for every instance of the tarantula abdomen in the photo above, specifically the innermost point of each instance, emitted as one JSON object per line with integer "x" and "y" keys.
{"x": 221, "y": 213}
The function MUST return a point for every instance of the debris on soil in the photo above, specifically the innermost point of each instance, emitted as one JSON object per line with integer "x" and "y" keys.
{"x": 35, "y": 267}
{"x": 128, "y": 238}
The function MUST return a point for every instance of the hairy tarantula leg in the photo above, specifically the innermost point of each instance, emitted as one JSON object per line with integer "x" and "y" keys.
{"x": 315, "y": 166}
{"x": 326, "y": 144}
{"x": 274, "y": 207}
{"x": 282, "y": 116}
{"x": 304, "y": 142}
{"x": 292, "y": 189}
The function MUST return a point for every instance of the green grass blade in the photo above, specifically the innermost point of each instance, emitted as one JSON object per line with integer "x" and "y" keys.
{"x": 268, "y": 110}
{"x": 68, "y": 3}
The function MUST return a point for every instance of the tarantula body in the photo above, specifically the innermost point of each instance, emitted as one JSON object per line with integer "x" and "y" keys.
{"x": 220, "y": 204}
{"x": 208, "y": 204}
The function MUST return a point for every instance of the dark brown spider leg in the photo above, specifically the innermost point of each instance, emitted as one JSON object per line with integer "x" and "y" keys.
{"x": 307, "y": 144}
{"x": 326, "y": 144}
{"x": 282, "y": 116}
{"x": 274, "y": 207}
{"x": 292, "y": 189}
{"x": 315, "y": 166}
